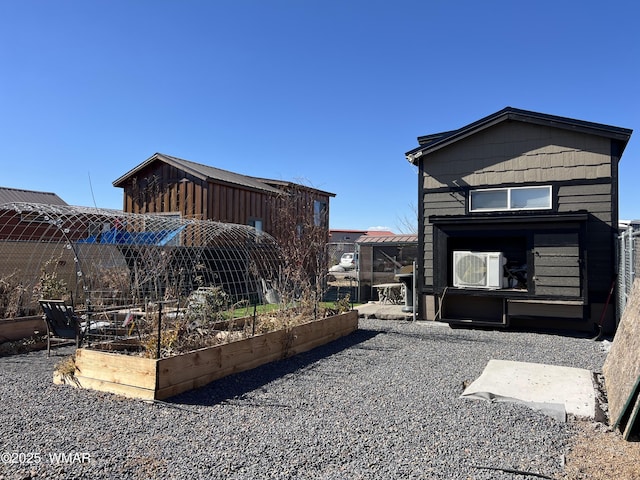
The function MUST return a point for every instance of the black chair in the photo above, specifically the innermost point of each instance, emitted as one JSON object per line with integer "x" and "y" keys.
{"x": 62, "y": 322}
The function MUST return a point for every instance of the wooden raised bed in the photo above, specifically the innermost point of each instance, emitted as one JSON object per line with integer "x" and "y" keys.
{"x": 12, "y": 329}
{"x": 157, "y": 379}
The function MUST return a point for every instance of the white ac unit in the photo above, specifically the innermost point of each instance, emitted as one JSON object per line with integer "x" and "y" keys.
{"x": 478, "y": 269}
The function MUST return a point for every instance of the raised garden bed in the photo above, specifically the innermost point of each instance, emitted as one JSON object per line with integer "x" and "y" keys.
{"x": 157, "y": 379}
{"x": 12, "y": 329}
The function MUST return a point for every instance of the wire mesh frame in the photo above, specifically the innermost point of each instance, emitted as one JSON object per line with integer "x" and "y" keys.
{"x": 628, "y": 257}
{"x": 107, "y": 257}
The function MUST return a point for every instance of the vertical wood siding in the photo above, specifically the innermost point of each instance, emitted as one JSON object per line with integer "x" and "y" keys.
{"x": 163, "y": 188}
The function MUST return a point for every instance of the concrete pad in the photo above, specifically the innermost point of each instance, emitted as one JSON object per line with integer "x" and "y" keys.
{"x": 383, "y": 312}
{"x": 549, "y": 388}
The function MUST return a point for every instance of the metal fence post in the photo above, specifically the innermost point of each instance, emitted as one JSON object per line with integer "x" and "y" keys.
{"x": 159, "y": 329}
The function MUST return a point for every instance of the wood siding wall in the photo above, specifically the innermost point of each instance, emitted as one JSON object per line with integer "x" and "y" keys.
{"x": 556, "y": 264}
{"x": 516, "y": 153}
{"x": 162, "y": 188}
{"x": 577, "y": 165}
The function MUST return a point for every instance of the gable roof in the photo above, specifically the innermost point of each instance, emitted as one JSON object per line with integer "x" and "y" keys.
{"x": 433, "y": 142}
{"x": 198, "y": 170}
{"x": 17, "y": 195}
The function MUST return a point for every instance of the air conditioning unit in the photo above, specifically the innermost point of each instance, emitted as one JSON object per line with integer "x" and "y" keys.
{"x": 478, "y": 269}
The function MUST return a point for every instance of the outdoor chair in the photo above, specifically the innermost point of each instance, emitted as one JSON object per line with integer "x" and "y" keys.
{"x": 62, "y": 322}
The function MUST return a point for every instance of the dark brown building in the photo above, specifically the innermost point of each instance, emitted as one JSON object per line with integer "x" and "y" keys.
{"x": 171, "y": 185}
{"x": 518, "y": 219}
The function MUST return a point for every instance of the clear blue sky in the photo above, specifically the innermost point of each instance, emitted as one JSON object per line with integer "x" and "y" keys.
{"x": 331, "y": 92}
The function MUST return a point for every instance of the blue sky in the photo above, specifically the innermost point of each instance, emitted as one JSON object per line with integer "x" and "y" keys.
{"x": 331, "y": 93}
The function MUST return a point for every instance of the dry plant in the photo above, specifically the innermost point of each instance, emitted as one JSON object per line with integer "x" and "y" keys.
{"x": 11, "y": 295}
{"x": 66, "y": 368}
{"x": 301, "y": 230}
{"x": 49, "y": 285}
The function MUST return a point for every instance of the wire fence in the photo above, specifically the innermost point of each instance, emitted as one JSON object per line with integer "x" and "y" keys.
{"x": 628, "y": 263}
{"x": 106, "y": 258}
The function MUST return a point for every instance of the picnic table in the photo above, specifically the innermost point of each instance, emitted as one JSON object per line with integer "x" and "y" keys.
{"x": 390, "y": 293}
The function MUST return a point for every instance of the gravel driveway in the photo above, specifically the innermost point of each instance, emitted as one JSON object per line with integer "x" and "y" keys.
{"x": 380, "y": 403}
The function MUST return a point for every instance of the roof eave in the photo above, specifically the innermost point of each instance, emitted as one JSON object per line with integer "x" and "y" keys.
{"x": 286, "y": 183}
{"x": 615, "y": 133}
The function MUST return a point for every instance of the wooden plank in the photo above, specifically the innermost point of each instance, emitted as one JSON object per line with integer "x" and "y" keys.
{"x": 229, "y": 209}
{"x": 622, "y": 366}
{"x": 557, "y": 271}
{"x": 557, "y": 251}
{"x": 173, "y": 196}
{"x": 116, "y": 368}
{"x": 178, "y": 369}
{"x": 562, "y": 261}
{"x": 549, "y": 281}
{"x": 130, "y": 391}
{"x": 584, "y": 190}
{"x": 556, "y": 291}
{"x": 542, "y": 309}
{"x": 188, "y": 200}
{"x": 18, "y": 328}
{"x": 586, "y": 200}
{"x": 553, "y": 240}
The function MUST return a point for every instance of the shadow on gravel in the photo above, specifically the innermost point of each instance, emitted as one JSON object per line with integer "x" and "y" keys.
{"x": 238, "y": 385}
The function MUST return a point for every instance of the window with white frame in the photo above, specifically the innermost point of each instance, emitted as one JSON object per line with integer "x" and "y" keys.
{"x": 510, "y": 198}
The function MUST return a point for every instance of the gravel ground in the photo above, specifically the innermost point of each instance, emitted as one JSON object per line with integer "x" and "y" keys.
{"x": 380, "y": 403}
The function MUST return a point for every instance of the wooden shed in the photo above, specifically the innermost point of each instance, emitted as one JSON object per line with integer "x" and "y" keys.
{"x": 518, "y": 220}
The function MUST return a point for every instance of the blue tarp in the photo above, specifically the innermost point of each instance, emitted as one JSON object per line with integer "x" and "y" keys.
{"x": 123, "y": 237}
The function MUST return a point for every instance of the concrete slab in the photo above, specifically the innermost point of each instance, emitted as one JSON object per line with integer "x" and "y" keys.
{"x": 552, "y": 389}
{"x": 383, "y": 311}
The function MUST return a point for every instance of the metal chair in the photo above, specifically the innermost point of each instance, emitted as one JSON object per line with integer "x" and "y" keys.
{"x": 62, "y": 322}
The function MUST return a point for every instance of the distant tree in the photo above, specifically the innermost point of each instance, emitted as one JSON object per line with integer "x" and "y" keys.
{"x": 301, "y": 230}
{"x": 408, "y": 224}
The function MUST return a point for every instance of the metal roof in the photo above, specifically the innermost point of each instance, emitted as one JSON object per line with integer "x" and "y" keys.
{"x": 286, "y": 184}
{"x": 205, "y": 172}
{"x": 378, "y": 239}
{"x": 433, "y": 142}
{"x": 12, "y": 195}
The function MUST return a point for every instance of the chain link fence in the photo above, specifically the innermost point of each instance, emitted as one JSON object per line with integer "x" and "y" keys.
{"x": 628, "y": 264}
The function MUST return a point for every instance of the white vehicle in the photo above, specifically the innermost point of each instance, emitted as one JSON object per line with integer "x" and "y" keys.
{"x": 348, "y": 261}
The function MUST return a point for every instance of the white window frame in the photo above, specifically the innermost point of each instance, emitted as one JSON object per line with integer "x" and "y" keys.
{"x": 509, "y": 208}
